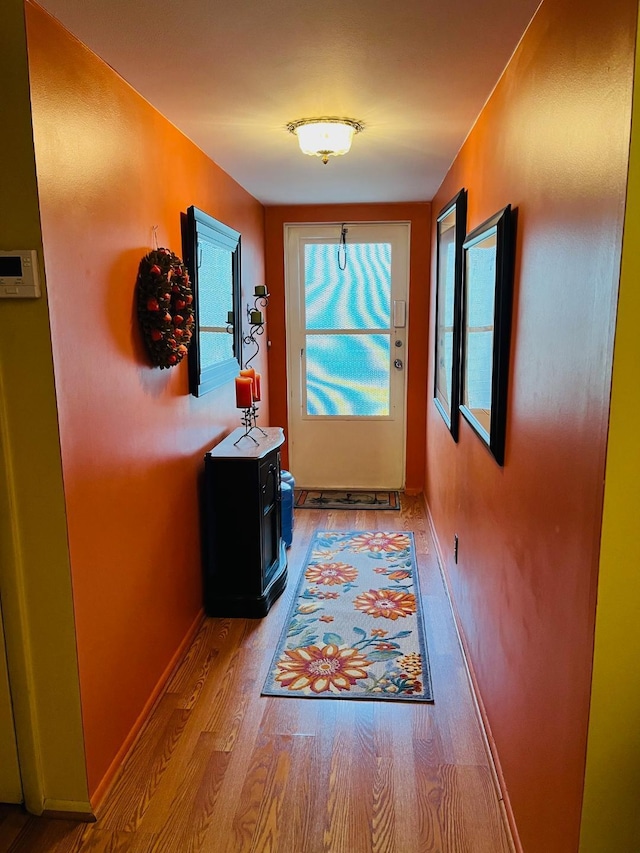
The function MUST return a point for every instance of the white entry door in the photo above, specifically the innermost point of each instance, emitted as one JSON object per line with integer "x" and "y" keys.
{"x": 346, "y": 350}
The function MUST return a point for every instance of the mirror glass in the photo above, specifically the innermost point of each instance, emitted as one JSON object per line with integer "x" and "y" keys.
{"x": 451, "y": 226}
{"x": 212, "y": 255}
{"x": 486, "y": 328}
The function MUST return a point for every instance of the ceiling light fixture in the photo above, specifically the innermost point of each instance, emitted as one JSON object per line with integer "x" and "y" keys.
{"x": 325, "y": 137}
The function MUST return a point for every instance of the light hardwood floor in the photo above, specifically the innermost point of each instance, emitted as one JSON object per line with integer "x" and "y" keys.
{"x": 221, "y": 769}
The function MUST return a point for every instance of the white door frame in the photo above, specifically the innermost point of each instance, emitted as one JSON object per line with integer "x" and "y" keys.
{"x": 292, "y": 306}
{"x": 10, "y": 780}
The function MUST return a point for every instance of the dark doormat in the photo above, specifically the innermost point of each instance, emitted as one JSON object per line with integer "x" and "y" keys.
{"x": 331, "y": 499}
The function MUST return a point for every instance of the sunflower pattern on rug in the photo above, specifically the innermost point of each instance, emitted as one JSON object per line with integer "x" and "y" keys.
{"x": 355, "y": 628}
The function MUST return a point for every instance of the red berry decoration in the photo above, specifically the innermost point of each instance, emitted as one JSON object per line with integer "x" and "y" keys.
{"x": 161, "y": 274}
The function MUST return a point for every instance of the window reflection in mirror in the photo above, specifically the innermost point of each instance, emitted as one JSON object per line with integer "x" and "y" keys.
{"x": 446, "y": 292}
{"x": 450, "y": 233}
{"x": 212, "y": 255}
{"x": 478, "y": 344}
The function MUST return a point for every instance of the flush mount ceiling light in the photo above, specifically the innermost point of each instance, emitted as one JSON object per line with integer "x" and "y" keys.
{"x": 325, "y": 137}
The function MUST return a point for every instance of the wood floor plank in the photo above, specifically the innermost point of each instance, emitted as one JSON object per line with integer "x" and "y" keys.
{"x": 189, "y": 801}
{"x": 225, "y": 703}
{"x": 196, "y": 661}
{"x": 337, "y": 829}
{"x": 257, "y": 816}
{"x": 352, "y": 779}
{"x": 384, "y": 823}
{"x": 53, "y": 836}
{"x": 107, "y": 841}
{"x": 218, "y": 768}
{"x": 205, "y": 799}
{"x": 303, "y": 795}
{"x": 135, "y": 787}
{"x": 483, "y": 825}
{"x": 217, "y": 838}
{"x": 12, "y": 822}
{"x": 295, "y": 717}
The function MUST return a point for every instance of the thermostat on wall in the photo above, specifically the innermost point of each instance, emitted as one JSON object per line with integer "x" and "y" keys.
{"x": 19, "y": 274}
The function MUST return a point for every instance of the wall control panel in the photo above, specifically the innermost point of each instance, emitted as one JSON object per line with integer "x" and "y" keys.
{"x": 19, "y": 274}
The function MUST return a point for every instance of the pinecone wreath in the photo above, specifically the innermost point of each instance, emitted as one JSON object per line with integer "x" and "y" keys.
{"x": 165, "y": 307}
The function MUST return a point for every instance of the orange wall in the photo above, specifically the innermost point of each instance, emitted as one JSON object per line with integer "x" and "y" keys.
{"x": 553, "y": 142}
{"x": 419, "y": 216}
{"x": 109, "y": 168}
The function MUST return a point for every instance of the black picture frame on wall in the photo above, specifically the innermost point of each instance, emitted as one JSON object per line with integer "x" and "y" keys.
{"x": 451, "y": 226}
{"x": 486, "y": 328}
{"x": 212, "y": 255}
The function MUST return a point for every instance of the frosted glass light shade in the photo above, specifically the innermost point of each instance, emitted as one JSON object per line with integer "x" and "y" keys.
{"x": 325, "y": 137}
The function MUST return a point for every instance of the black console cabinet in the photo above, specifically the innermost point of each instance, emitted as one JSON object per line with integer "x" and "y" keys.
{"x": 245, "y": 561}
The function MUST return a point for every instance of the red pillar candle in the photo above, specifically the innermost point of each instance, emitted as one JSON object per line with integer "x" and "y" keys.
{"x": 244, "y": 386}
{"x": 248, "y": 371}
{"x": 256, "y": 388}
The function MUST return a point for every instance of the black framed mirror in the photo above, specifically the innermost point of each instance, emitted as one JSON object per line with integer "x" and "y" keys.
{"x": 212, "y": 255}
{"x": 451, "y": 226}
{"x": 486, "y": 328}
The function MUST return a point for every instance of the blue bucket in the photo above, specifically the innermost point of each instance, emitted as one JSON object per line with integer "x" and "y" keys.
{"x": 287, "y": 513}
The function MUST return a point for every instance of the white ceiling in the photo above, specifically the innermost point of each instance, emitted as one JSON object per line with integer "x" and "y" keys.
{"x": 231, "y": 75}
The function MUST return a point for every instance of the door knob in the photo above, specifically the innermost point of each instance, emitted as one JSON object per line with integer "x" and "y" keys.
{"x": 398, "y": 364}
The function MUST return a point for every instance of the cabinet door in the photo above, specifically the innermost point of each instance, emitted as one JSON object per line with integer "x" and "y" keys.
{"x": 270, "y": 490}
{"x": 232, "y": 529}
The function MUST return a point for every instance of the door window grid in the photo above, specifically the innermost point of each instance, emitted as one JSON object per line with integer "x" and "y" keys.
{"x": 347, "y": 330}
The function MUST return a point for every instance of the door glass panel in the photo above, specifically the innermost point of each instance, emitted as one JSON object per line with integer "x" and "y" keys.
{"x": 348, "y": 375}
{"x": 358, "y": 297}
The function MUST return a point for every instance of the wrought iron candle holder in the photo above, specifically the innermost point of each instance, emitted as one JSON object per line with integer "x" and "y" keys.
{"x": 256, "y": 329}
{"x": 248, "y": 421}
{"x": 256, "y": 321}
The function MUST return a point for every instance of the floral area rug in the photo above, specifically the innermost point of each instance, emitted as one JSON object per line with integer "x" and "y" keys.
{"x": 355, "y": 627}
{"x": 332, "y": 499}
